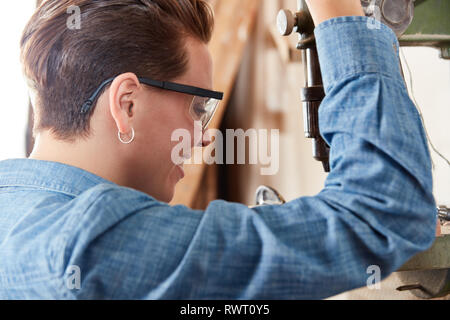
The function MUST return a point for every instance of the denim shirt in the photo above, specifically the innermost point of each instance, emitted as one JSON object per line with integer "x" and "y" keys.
{"x": 68, "y": 234}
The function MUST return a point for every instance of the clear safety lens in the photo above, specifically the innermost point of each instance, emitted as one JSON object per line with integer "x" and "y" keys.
{"x": 203, "y": 109}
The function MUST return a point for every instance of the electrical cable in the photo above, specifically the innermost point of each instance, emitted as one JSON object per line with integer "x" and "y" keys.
{"x": 420, "y": 112}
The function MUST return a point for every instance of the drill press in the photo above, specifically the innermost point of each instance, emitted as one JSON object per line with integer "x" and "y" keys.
{"x": 397, "y": 14}
{"x": 427, "y": 275}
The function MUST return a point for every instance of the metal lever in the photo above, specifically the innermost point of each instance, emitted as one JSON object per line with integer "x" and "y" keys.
{"x": 268, "y": 196}
{"x": 313, "y": 93}
{"x": 443, "y": 213}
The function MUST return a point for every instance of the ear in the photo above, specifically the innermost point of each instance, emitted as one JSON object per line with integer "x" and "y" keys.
{"x": 122, "y": 93}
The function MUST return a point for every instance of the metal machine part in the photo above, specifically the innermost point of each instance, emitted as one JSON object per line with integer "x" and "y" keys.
{"x": 426, "y": 284}
{"x": 443, "y": 214}
{"x": 415, "y": 22}
{"x": 313, "y": 92}
{"x": 268, "y": 196}
{"x": 397, "y": 14}
{"x": 430, "y": 26}
{"x": 427, "y": 274}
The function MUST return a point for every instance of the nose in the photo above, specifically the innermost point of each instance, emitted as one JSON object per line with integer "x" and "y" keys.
{"x": 206, "y": 141}
{"x": 201, "y": 136}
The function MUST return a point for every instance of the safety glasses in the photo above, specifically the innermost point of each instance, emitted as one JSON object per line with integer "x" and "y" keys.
{"x": 203, "y": 105}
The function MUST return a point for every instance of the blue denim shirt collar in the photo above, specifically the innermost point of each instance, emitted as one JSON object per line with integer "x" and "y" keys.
{"x": 48, "y": 175}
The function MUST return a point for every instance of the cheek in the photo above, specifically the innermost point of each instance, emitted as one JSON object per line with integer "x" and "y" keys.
{"x": 174, "y": 112}
{"x": 157, "y": 121}
{"x": 177, "y": 121}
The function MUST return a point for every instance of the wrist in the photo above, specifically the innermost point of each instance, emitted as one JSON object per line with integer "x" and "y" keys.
{"x": 322, "y": 10}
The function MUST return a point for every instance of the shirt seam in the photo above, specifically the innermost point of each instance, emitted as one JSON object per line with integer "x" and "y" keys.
{"x": 345, "y": 20}
{"x": 350, "y": 75}
{"x": 39, "y": 188}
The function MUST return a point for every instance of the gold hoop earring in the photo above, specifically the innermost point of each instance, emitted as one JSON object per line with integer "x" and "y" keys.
{"x": 126, "y": 142}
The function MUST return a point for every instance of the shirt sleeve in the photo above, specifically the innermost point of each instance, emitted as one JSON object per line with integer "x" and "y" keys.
{"x": 376, "y": 208}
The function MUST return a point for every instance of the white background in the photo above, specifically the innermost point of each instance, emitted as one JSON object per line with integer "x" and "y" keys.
{"x": 13, "y": 94}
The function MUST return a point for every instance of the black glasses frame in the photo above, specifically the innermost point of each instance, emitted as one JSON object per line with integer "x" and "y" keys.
{"x": 166, "y": 85}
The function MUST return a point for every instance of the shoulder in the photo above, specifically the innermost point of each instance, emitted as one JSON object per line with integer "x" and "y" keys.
{"x": 109, "y": 203}
{"x": 103, "y": 208}
{"x": 113, "y": 196}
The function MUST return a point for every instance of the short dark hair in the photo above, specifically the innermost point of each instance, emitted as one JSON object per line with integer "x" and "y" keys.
{"x": 64, "y": 65}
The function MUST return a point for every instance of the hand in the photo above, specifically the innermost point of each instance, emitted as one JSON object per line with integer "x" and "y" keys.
{"x": 322, "y": 10}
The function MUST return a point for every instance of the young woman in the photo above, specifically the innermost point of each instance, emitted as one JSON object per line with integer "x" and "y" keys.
{"x": 85, "y": 217}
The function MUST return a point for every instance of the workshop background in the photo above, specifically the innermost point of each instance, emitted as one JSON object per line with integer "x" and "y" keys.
{"x": 261, "y": 73}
